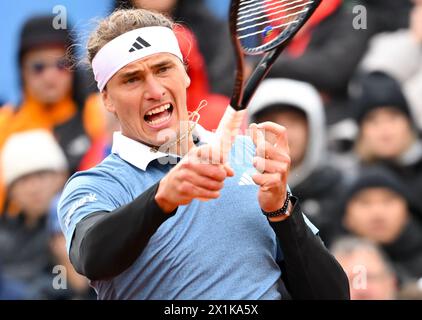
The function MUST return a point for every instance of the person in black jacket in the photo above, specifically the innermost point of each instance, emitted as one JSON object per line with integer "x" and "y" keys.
{"x": 166, "y": 216}
{"x": 379, "y": 206}
{"x": 387, "y": 131}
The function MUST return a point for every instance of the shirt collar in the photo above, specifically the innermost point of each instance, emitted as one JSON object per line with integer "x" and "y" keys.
{"x": 140, "y": 155}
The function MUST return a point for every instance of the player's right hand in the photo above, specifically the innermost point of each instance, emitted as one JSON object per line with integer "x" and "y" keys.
{"x": 199, "y": 175}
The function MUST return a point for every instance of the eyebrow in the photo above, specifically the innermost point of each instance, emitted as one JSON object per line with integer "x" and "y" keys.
{"x": 154, "y": 66}
{"x": 162, "y": 64}
{"x": 129, "y": 74}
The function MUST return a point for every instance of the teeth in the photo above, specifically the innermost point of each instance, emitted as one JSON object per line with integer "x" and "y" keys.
{"x": 158, "y": 121}
{"x": 158, "y": 109}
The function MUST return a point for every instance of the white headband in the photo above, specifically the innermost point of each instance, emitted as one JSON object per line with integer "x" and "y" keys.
{"x": 132, "y": 46}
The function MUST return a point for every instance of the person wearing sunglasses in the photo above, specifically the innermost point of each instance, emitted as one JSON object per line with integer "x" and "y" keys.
{"x": 54, "y": 95}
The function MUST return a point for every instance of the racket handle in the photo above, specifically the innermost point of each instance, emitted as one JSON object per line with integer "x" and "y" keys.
{"x": 227, "y": 130}
{"x": 229, "y": 127}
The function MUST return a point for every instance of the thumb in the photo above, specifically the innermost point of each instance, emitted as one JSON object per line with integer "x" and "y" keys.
{"x": 229, "y": 170}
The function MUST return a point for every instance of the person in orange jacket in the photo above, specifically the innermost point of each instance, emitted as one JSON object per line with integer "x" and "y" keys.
{"x": 53, "y": 95}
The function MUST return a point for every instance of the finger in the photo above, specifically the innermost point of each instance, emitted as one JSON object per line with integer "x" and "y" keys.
{"x": 270, "y": 166}
{"x": 189, "y": 190}
{"x": 228, "y": 169}
{"x": 258, "y": 139}
{"x": 213, "y": 171}
{"x": 268, "y": 180}
{"x": 203, "y": 182}
{"x": 268, "y": 151}
{"x": 205, "y": 194}
{"x": 205, "y": 154}
{"x": 210, "y": 154}
{"x": 279, "y": 131}
{"x": 253, "y": 132}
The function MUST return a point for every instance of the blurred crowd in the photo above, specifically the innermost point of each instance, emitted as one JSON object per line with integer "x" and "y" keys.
{"x": 348, "y": 88}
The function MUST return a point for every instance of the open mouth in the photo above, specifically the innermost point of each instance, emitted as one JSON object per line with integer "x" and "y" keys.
{"x": 159, "y": 115}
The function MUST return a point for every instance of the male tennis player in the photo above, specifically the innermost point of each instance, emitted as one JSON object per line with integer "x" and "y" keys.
{"x": 190, "y": 223}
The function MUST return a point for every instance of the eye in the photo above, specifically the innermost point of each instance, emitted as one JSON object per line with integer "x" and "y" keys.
{"x": 163, "y": 69}
{"x": 131, "y": 80}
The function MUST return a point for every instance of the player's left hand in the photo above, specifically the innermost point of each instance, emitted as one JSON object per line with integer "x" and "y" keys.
{"x": 272, "y": 161}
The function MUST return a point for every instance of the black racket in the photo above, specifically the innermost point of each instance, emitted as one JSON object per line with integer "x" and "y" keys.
{"x": 259, "y": 27}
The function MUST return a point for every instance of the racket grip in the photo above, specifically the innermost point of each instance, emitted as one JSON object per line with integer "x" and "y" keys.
{"x": 229, "y": 127}
{"x": 227, "y": 130}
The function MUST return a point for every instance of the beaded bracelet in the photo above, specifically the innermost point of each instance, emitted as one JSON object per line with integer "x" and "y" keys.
{"x": 281, "y": 211}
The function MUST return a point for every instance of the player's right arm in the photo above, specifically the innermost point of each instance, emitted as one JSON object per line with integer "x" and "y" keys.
{"x": 105, "y": 243}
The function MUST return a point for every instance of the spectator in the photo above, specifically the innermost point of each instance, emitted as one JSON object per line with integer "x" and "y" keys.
{"x": 11, "y": 290}
{"x": 53, "y": 97}
{"x": 412, "y": 291}
{"x": 399, "y": 53}
{"x": 387, "y": 132}
{"x": 298, "y": 106}
{"x": 378, "y": 206}
{"x": 371, "y": 275}
{"x": 77, "y": 285}
{"x": 34, "y": 169}
{"x": 387, "y": 15}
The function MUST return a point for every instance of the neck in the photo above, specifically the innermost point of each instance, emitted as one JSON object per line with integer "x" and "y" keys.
{"x": 184, "y": 141}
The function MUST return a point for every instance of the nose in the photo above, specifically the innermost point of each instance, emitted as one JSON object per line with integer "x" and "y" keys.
{"x": 51, "y": 73}
{"x": 154, "y": 90}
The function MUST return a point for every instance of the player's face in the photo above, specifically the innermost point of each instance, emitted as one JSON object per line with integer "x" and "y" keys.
{"x": 148, "y": 96}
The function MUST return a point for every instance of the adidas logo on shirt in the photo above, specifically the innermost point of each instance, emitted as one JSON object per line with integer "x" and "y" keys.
{"x": 139, "y": 44}
{"x": 246, "y": 180}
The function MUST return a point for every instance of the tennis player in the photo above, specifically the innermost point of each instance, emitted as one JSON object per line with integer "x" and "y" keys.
{"x": 166, "y": 215}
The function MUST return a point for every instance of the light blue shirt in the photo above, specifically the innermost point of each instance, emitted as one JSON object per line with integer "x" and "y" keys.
{"x": 219, "y": 249}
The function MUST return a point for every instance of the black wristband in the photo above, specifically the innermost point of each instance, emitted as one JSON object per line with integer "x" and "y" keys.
{"x": 280, "y": 212}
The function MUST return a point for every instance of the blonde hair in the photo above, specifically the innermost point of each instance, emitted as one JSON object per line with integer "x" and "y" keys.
{"x": 120, "y": 22}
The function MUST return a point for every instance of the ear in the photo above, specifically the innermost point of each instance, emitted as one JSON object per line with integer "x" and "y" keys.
{"x": 107, "y": 101}
{"x": 187, "y": 80}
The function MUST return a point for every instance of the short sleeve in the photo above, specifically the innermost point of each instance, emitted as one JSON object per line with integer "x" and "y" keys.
{"x": 86, "y": 193}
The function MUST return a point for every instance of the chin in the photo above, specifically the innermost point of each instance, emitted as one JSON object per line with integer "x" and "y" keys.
{"x": 50, "y": 99}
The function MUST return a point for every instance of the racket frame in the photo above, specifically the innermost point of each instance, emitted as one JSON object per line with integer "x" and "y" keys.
{"x": 243, "y": 93}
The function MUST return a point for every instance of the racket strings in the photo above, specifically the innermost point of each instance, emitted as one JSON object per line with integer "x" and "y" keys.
{"x": 272, "y": 13}
{"x": 254, "y": 3}
{"x": 273, "y": 20}
{"x": 259, "y": 22}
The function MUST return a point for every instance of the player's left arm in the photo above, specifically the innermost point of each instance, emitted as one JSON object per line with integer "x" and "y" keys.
{"x": 308, "y": 269}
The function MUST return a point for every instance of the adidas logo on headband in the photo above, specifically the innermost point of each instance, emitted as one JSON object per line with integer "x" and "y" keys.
{"x": 139, "y": 44}
{"x": 121, "y": 51}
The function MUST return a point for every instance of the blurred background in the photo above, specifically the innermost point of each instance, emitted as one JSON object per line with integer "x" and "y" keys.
{"x": 348, "y": 88}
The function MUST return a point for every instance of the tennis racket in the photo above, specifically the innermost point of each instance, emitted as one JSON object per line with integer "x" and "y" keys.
{"x": 258, "y": 27}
